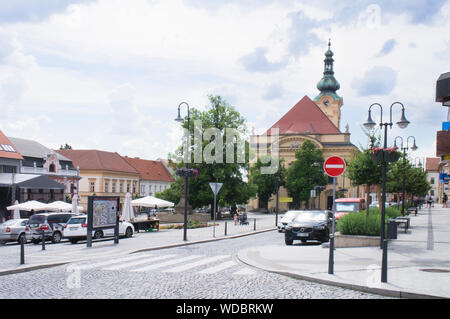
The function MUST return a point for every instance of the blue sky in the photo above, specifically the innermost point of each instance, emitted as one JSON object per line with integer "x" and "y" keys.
{"x": 109, "y": 74}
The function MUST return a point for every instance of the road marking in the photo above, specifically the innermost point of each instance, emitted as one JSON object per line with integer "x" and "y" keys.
{"x": 138, "y": 262}
{"x": 113, "y": 261}
{"x": 167, "y": 263}
{"x": 197, "y": 263}
{"x": 220, "y": 267}
{"x": 245, "y": 271}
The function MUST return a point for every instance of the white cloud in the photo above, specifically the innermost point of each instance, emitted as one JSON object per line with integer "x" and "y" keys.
{"x": 110, "y": 74}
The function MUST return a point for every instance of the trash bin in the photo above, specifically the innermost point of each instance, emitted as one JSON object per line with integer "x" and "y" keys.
{"x": 392, "y": 229}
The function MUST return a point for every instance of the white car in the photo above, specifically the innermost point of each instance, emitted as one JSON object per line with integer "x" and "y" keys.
{"x": 286, "y": 219}
{"x": 76, "y": 229}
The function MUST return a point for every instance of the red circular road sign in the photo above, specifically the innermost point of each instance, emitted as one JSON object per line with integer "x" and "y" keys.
{"x": 334, "y": 166}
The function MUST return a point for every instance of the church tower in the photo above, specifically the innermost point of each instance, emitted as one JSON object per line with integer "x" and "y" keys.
{"x": 328, "y": 100}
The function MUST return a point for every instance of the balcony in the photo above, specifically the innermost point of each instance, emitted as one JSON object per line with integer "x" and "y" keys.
{"x": 43, "y": 171}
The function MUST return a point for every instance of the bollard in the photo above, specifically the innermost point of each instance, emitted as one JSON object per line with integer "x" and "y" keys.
{"x": 225, "y": 228}
{"x": 254, "y": 224}
{"x": 43, "y": 240}
{"x": 22, "y": 252}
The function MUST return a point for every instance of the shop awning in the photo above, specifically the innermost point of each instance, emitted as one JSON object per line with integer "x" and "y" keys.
{"x": 41, "y": 182}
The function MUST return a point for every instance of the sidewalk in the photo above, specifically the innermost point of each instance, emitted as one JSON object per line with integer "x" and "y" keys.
{"x": 64, "y": 252}
{"x": 418, "y": 261}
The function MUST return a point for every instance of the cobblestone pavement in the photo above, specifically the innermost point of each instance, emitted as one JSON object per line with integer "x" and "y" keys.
{"x": 208, "y": 270}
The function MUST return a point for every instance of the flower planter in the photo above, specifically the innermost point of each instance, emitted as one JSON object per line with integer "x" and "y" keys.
{"x": 385, "y": 154}
{"x": 190, "y": 172}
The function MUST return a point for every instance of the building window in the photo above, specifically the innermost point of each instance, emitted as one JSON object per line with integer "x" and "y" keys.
{"x": 134, "y": 188}
{"x": 106, "y": 187}
{"x": 432, "y": 181}
{"x": 52, "y": 168}
{"x": 128, "y": 187}
{"x": 121, "y": 187}
{"x": 432, "y": 192}
{"x": 92, "y": 187}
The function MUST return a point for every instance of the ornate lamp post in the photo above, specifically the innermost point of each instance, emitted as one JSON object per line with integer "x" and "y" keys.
{"x": 186, "y": 161}
{"x": 370, "y": 124}
{"x": 404, "y": 150}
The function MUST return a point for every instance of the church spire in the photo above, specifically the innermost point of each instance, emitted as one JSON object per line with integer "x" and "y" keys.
{"x": 328, "y": 85}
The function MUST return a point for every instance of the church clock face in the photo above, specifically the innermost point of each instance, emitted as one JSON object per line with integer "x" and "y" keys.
{"x": 326, "y": 103}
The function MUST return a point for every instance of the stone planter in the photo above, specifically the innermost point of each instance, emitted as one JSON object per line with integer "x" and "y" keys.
{"x": 347, "y": 241}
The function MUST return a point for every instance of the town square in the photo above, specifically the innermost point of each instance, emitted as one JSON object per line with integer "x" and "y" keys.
{"x": 246, "y": 152}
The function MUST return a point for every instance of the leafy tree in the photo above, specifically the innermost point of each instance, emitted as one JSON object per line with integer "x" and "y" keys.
{"x": 220, "y": 116}
{"x": 301, "y": 177}
{"x": 65, "y": 147}
{"x": 362, "y": 170}
{"x": 265, "y": 183}
{"x": 416, "y": 182}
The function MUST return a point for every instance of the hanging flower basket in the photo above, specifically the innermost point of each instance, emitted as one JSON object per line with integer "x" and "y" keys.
{"x": 189, "y": 172}
{"x": 380, "y": 154}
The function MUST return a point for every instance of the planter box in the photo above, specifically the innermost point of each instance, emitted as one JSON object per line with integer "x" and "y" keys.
{"x": 381, "y": 156}
{"x": 347, "y": 241}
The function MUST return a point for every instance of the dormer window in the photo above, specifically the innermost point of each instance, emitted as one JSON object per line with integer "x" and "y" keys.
{"x": 52, "y": 168}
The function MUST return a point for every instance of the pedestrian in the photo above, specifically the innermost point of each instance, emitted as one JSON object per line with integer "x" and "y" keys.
{"x": 428, "y": 200}
{"x": 236, "y": 217}
{"x": 432, "y": 200}
{"x": 444, "y": 200}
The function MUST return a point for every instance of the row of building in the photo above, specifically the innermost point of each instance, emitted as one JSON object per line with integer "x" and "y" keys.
{"x": 32, "y": 171}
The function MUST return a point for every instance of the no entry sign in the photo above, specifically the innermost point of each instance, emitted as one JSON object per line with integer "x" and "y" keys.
{"x": 334, "y": 166}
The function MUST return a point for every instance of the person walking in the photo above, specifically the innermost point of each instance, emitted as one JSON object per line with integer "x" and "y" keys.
{"x": 444, "y": 200}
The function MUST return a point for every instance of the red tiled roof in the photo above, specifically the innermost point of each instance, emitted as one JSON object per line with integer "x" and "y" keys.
{"x": 150, "y": 170}
{"x": 4, "y": 154}
{"x": 305, "y": 118}
{"x": 98, "y": 160}
{"x": 432, "y": 164}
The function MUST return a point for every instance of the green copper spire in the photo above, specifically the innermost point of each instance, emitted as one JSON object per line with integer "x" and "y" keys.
{"x": 328, "y": 85}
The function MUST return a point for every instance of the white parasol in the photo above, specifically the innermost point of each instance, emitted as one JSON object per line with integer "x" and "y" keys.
{"x": 127, "y": 211}
{"x": 150, "y": 201}
{"x": 16, "y": 214}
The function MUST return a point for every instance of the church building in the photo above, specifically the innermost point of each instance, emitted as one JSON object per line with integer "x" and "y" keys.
{"x": 319, "y": 121}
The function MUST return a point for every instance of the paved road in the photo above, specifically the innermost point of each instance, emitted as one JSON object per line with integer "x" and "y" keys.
{"x": 208, "y": 270}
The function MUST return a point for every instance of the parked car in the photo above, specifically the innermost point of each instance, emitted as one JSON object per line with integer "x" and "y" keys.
{"x": 349, "y": 205}
{"x": 286, "y": 219}
{"x": 51, "y": 224}
{"x": 14, "y": 230}
{"x": 76, "y": 229}
{"x": 309, "y": 225}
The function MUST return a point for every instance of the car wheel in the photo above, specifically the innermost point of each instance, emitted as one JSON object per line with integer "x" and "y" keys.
{"x": 98, "y": 234}
{"x": 73, "y": 241}
{"x": 56, "y": 238}
{"x": 128, "y": 232}
{"x": 288, "y": 241}
{"x": 22, "y": 238}
{"x": 326, "y": 238}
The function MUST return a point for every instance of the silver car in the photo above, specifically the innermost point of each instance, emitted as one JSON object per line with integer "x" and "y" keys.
{"x": 14, "y": 230}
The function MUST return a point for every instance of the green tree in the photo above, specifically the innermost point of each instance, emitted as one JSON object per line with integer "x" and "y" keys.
{"x": 416, "y": 182}
{"x": 301, "y": 175}
{"x": 266, "y": 183}
{"x": 65, "y": 147}
{"x": 219, "y": 115}
{"x": 362, "y": 170}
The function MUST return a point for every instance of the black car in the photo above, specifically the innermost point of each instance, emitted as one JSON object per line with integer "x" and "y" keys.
{"x": 309, "y": 225}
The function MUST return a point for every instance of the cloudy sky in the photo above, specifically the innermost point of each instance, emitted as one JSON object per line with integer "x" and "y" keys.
{"x": 110, "y": 74}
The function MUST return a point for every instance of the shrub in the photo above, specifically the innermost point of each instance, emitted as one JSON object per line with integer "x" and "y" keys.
{"x": 360, "y": 224}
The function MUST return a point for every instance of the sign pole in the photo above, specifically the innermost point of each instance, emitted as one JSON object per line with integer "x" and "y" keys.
{"x": 214, "y": 226}
{"x": 331, "y": 255}
{"x": 334, "y": 166}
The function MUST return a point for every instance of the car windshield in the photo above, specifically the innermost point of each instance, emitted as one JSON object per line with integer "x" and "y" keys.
{"x": 78, "y": 220}
{"x": 37, "y": 219}
{"x": 347, "y": 207}
{"x": 311, "y": 216}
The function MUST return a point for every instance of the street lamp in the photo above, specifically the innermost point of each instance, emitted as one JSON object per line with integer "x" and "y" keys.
{"x": 370, "y": 124}
{"x": 186, "y": 161}
{"x": 404, "y": 150}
